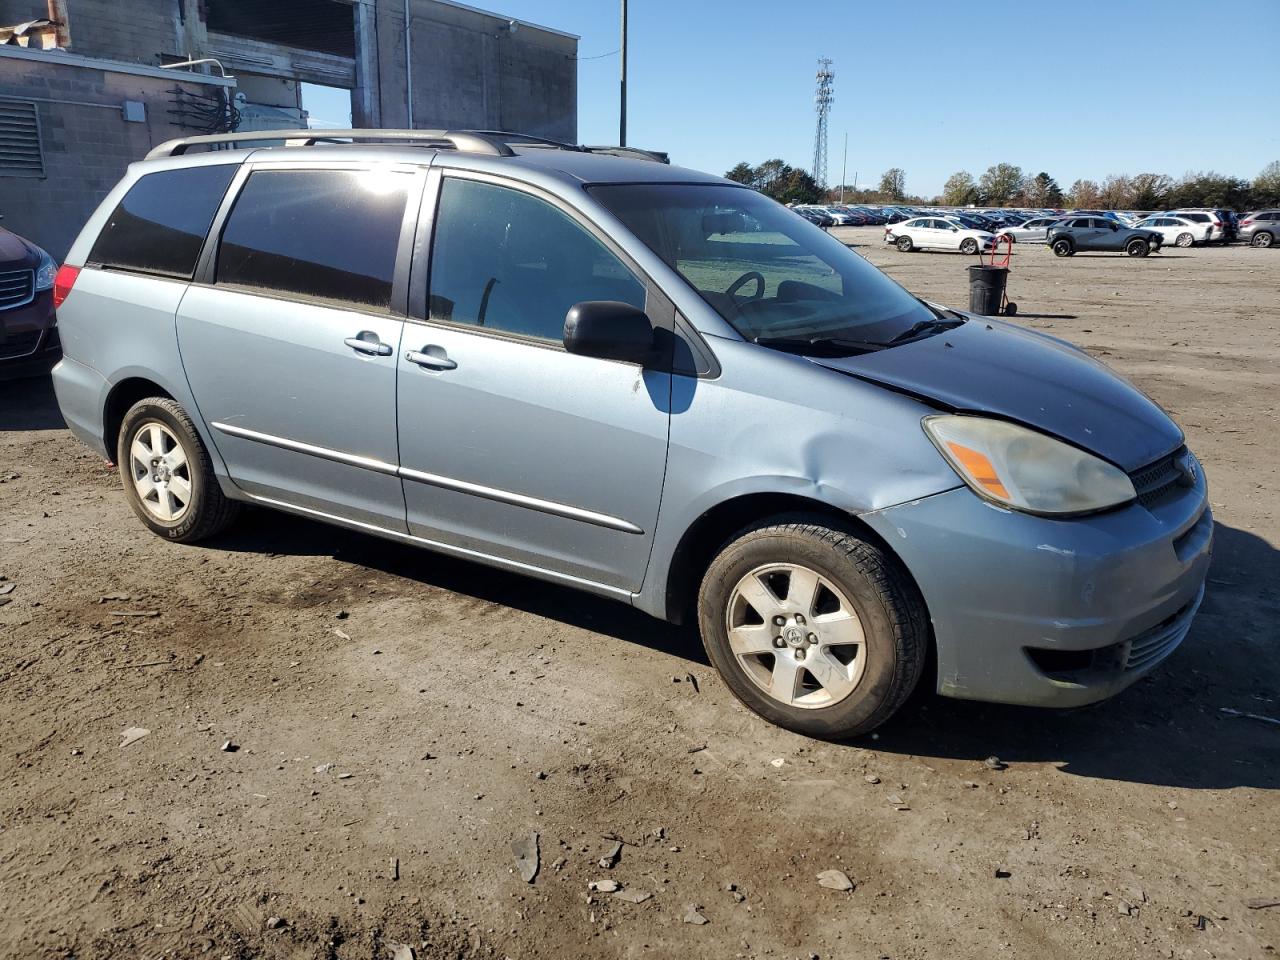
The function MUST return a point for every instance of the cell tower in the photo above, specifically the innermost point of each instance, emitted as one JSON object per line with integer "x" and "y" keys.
{"x": 822, "y": 101}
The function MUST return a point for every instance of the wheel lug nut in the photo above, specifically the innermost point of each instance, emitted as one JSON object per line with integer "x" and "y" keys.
{"x": 800, "y": 653}
{"x": 813, "y": 638}
{"x": 799, "y": 618}
{"x": 779, "y": 621}
{"x": 779, "y": 642}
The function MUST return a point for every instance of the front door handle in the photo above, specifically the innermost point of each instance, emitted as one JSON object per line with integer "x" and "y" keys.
{"x": 366, "y": 341}
{"x": 433, "y": 357}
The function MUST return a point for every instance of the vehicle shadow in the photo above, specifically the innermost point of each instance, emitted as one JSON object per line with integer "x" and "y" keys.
{"x": 270, "y": 531}
{"x": 29, "y": 405}
{"x": 1168, "y": 729}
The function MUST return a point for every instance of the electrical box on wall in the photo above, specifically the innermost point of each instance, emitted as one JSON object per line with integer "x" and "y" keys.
{"x": 135, "y": 111}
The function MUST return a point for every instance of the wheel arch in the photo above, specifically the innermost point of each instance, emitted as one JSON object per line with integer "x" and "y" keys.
{"x": 704, "y": 537}
{"x": 122, "y": 396}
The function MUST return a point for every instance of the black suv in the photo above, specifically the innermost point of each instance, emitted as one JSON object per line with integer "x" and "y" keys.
{"x": 28, "y": 338}
{"x": 1076, "y": 234}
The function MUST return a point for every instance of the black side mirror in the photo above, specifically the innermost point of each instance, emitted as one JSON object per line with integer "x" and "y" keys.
{"x": 609, "y": 330}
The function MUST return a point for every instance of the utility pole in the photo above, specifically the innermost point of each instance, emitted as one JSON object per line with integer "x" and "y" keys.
{"x": 844, "y": 165}
{"x": 622, "y": 114}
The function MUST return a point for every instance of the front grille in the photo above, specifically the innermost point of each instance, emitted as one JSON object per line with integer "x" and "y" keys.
{"x": 17, "y": 288}
{"x": 1151, "y": 646}
{"x": 19, "y": 344}
{"x": 1156, "y": 481}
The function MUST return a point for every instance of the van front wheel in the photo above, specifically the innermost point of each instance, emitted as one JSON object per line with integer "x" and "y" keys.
{"x": 167, "y": 473}
{"x": 812, "y": 627}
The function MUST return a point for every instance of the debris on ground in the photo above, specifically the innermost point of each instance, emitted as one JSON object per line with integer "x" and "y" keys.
{"x": 777, "y": 762}
{"x": 1261, "y": 903}
{"x": 835, "y": 880}
{"x": 133, "y": 735}
{"x": 1003, "y": 873}
{"x": 525, "y": 850}
{"x": 604, "y": 886}
{"x": 276, "y": 923}
{"x": 135, "y": 613}
{"x": 230, "y": 747}
{"x": 995, "y": 763}
{"x": 402, "y": 951}
{"x": 341, "y": 634}
{"x": 7, "y": 588}
{"x": 691, "y": 915}
{"x": 1249, "y": 716}
{"x": 610, "y": 859}
{"x": 325, "y": 767}
{"x": 871, "y": 778}
{"x": 632, "y": 896}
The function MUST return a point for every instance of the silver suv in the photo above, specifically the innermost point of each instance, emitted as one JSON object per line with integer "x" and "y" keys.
{"x": 1260, "y": 229}
{"x": 645, "y": 382}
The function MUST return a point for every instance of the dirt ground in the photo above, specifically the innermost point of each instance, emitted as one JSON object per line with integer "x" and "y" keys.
{"x": 402, "y": 718}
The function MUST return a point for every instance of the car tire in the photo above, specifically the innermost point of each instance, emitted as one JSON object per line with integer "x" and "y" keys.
{"x": 969, "y": 246}
{"x": 1063, "y": 248}
{"x": 1137, "y": 248}
{"x": 1184, "y": 240}
{"x": 1008, "y": 236}
{"x": 904, "y": 244}
{"x": 167, "y": 473}
{"x": 1262, "y": 239}
{"x": 870, "y": 623}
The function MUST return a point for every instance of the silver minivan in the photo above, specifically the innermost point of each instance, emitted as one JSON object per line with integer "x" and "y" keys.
{"x": 642, "y": 381}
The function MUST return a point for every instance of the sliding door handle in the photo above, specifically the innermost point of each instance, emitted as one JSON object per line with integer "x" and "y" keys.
{"x": 366, "y": 341}
{"x": 432, "y": 357}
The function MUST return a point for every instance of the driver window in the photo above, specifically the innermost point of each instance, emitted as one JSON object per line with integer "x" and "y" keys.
{"x": 506, "y": 260}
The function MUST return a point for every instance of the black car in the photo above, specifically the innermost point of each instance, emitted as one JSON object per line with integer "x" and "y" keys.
{"x": 29, "y": 343}
{"x": 1075, "y": 234}
{"x": 816, "y": 216}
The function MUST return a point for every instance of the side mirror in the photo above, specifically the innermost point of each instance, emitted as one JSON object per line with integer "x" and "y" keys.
{"x": 955, "y": 229}
{"x": 609, "y": 330}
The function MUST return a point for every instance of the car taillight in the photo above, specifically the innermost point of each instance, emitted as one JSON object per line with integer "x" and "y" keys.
{"x": 63, "y": 282}
{"x": 1245, "y": 223}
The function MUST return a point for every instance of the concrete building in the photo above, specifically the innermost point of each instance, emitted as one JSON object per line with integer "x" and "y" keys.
{"x": 72, "y": 118}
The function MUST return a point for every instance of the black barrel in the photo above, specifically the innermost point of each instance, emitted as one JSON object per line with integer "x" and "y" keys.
{"x": 986, "y": 289}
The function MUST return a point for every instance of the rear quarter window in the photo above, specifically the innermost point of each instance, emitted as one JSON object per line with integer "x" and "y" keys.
{"x": 328, "y": 235}
{"x": 160, "y": 225}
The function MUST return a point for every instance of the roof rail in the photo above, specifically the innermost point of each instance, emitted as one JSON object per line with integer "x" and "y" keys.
{"x": 461, "y": 140}
{"x": 494, "y": 143}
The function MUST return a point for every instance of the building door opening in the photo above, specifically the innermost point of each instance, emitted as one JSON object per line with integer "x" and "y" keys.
{"x": 326, "y": 108}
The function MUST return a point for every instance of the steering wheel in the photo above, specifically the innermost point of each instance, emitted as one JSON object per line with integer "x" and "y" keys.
{"x": 743, "y": 280}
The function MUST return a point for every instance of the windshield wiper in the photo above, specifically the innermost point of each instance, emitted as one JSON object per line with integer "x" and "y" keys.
{"x": 932, "y": 325}
{"x": 834, "y": 345}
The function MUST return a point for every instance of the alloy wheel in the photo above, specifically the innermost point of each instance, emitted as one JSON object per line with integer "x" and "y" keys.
{"x": 160, "y": 472}
{"x": 796, "y": 635}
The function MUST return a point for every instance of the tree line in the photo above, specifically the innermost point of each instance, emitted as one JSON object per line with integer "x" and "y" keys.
{"x": 1005, "y": 184}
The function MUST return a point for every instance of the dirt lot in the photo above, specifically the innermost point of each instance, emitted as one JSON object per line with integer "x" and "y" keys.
{"x": 402, "y": 718}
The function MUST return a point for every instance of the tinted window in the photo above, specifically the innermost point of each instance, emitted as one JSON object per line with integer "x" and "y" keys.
{"x": 319, "y": 234}
{"x": 160, "y": 224}
{"x": 505, "y": 260}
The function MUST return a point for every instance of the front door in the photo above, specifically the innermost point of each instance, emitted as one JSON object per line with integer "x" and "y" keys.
{"x": 511, "y": 447}
{"x": 290, "y": 345}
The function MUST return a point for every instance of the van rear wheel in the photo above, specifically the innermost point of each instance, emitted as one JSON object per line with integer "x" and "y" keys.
{"x": 167, "y": 473}
{"x": 812, "y": 627}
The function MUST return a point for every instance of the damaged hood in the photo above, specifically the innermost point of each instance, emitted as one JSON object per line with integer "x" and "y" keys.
{"x": 988, "y": 366}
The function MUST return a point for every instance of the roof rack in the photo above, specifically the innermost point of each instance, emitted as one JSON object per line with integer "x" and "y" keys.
{"x": 459, "y": 140}
{"x": 494, "y": 143}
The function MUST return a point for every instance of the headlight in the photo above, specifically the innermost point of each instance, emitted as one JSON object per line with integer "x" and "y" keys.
{"x": 46, "y": 270}
{"x": 1026, "y": 470}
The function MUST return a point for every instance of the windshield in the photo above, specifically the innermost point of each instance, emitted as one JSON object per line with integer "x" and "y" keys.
{"x": 767, "y": 272}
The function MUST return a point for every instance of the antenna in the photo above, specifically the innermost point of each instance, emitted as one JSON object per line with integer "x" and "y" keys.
{"x": 822, "y": 101}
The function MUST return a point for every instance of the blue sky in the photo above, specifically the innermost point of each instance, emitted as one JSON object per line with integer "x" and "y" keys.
{"x": 1080, "y": 89}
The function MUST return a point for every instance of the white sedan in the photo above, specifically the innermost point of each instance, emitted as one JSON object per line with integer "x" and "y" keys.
{"x": 937, "y": 233}
{"x": 1177, "y": 231}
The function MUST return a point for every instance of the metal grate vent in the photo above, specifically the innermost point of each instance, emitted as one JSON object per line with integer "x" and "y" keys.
{"x": 21, "y": 154}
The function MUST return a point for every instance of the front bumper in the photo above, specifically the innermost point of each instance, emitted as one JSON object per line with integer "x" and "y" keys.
{"x": 29, "y": 345}
{"x": 1056, "y": 613}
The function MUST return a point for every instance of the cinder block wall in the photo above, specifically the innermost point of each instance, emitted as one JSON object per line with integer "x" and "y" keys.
{"x": 135, "y": 31}
{"x": 87, "y": 144}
